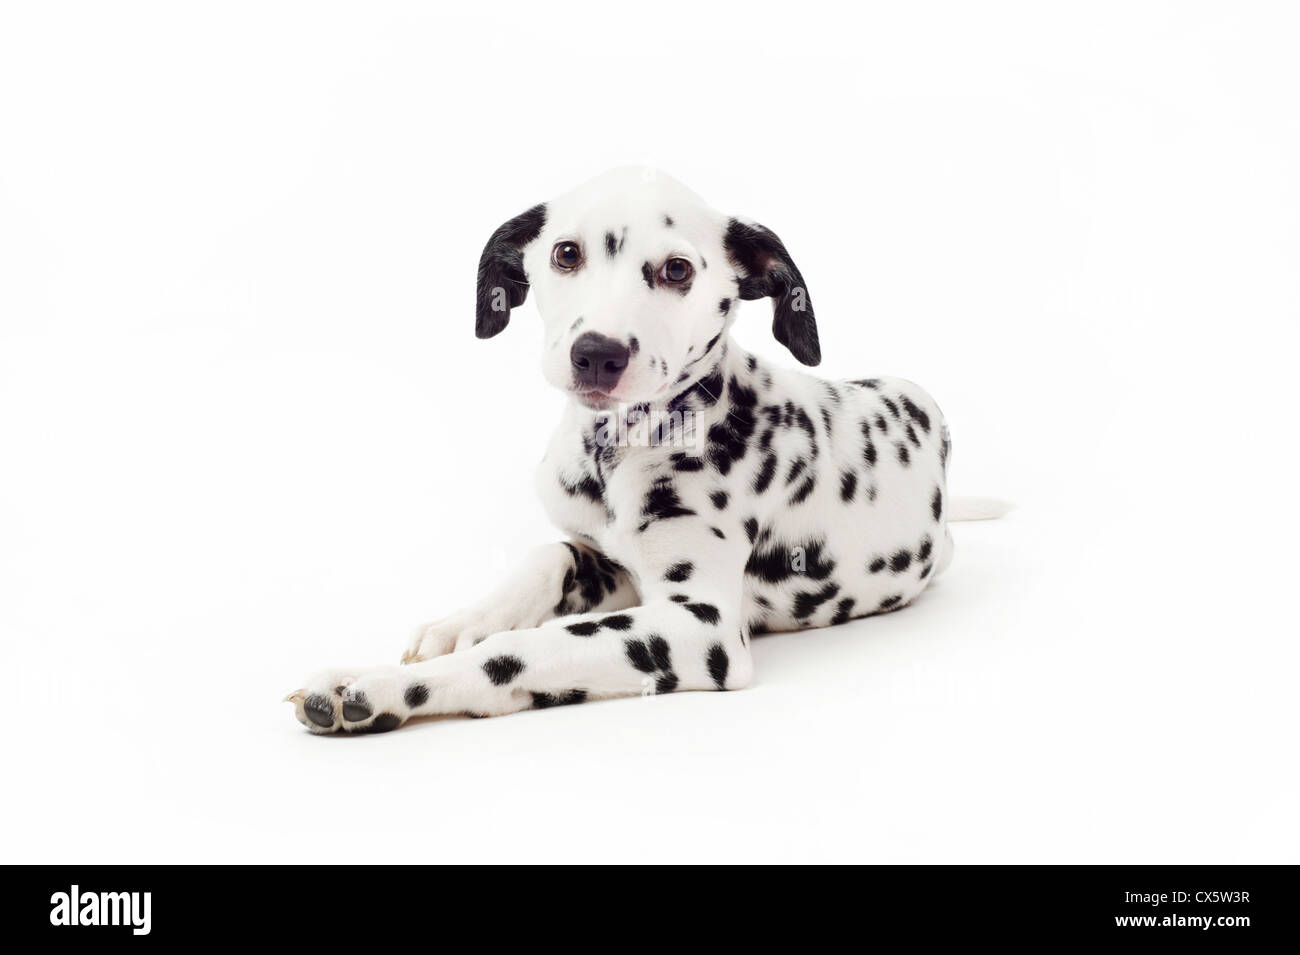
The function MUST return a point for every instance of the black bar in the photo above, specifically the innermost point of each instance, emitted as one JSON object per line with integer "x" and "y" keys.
{"x": 310, "y": 905}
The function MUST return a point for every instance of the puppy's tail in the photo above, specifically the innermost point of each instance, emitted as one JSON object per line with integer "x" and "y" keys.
{"x": 977, "y": 509}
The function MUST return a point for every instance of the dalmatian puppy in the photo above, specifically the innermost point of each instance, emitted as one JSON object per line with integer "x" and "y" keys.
{"x": 707, "y": 495}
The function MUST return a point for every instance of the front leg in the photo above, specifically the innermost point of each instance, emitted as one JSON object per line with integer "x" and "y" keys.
{"x": 688, "y": 635}
{"x": 557, "y": 579}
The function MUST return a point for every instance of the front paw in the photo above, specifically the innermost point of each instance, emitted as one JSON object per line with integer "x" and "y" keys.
{"x": 452, "y": 634}
{"x": 375, "y": 701}
{"x": 430, "y": 640}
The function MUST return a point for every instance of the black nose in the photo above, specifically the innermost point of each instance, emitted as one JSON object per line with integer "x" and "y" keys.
{"x": 598, "y": 361}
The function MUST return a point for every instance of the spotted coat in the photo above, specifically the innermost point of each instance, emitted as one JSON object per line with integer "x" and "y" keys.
{"x": 707, "y": 496}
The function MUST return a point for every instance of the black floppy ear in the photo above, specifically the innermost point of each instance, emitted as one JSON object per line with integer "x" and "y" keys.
{"x": 769, "y": 272}
{"x": 502, "y": 282}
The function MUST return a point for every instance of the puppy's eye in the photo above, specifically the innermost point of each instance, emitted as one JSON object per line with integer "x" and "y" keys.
{"x": 676, "y": 271}
{"x": 566, "y": 256}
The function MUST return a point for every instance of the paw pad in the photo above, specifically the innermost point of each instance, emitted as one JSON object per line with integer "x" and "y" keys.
{"x": 319, "y": 709}
{"x": 337, "y": 705}
{"x": 356, "y": 709}
{"x": 385, "y": 722}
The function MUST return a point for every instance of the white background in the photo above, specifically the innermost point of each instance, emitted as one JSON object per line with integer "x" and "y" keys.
{"x": 247, "y": 432}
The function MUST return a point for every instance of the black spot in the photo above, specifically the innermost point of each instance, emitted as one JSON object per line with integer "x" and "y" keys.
{"x": 844, "y": 612}
{"x": 724, "y": 307}
{"x": 893, "y": 408}
{"x": 719, "y": 499}
{"x": 585, "y": 486}
{"x": 796, "y": 468}
{"x": 805, "y": 603}
{"x": 616, "y": 621}
{"x": 639, "y": 654}
{"x": 633, "y": 345}
{"x": 877, "y": 565}
{"x": 916, "y": 414}
{"x": 319, "y": 709}
{"x": 687, "y": 462}
{"x": 872, "y": 383}
{"x": 729, "y": 439}
{"x": 707, "y": 390}
{"x": 668, "y": 221}
{"x": 890, "y": 602}
{"x": 803, "y": 421}
{"x": 923, "y": 553}
{"x": 594, "y": 575}
{"x": 801, "y": 493}
{"x": 776, "y": 561}
{"x": 706, "y": 613}
{"x": 679, "y": 598}
{"x": 542, "y": 701}
{"x": 611, "y": 244}
{"x": 718, "y": 533}
{"x": 659, "y": 652}
{"x": 679, "y": 572}
{"x": 900, "y": 561}
{"x": 869, "y": 452}
{"x": 911, "y": 436}
{"x": 766, "y": 471}
{"x": 904, "y": 458}
{"x": 936, "y": 503}
{"x": 751, "y": 528}
{"x": 662, "y": 503}
{"x": 501, "y": 670}
{"x": 719, "y": 663}
{"x": 648, "y": 274}
{"x": 652, "y": 656}
{"x": 583, "y": 628}
{"x": 416, "y": 695}
{"x": 848, "y": 485}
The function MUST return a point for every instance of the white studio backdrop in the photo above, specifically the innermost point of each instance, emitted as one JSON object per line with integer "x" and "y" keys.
{"x": 246, "y": 430}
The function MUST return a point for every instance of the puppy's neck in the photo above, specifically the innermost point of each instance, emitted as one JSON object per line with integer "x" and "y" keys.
{"x": 677, "y": 423}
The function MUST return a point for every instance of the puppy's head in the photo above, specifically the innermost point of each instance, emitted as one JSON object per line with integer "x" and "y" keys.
{"x": 637, "y": 281}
